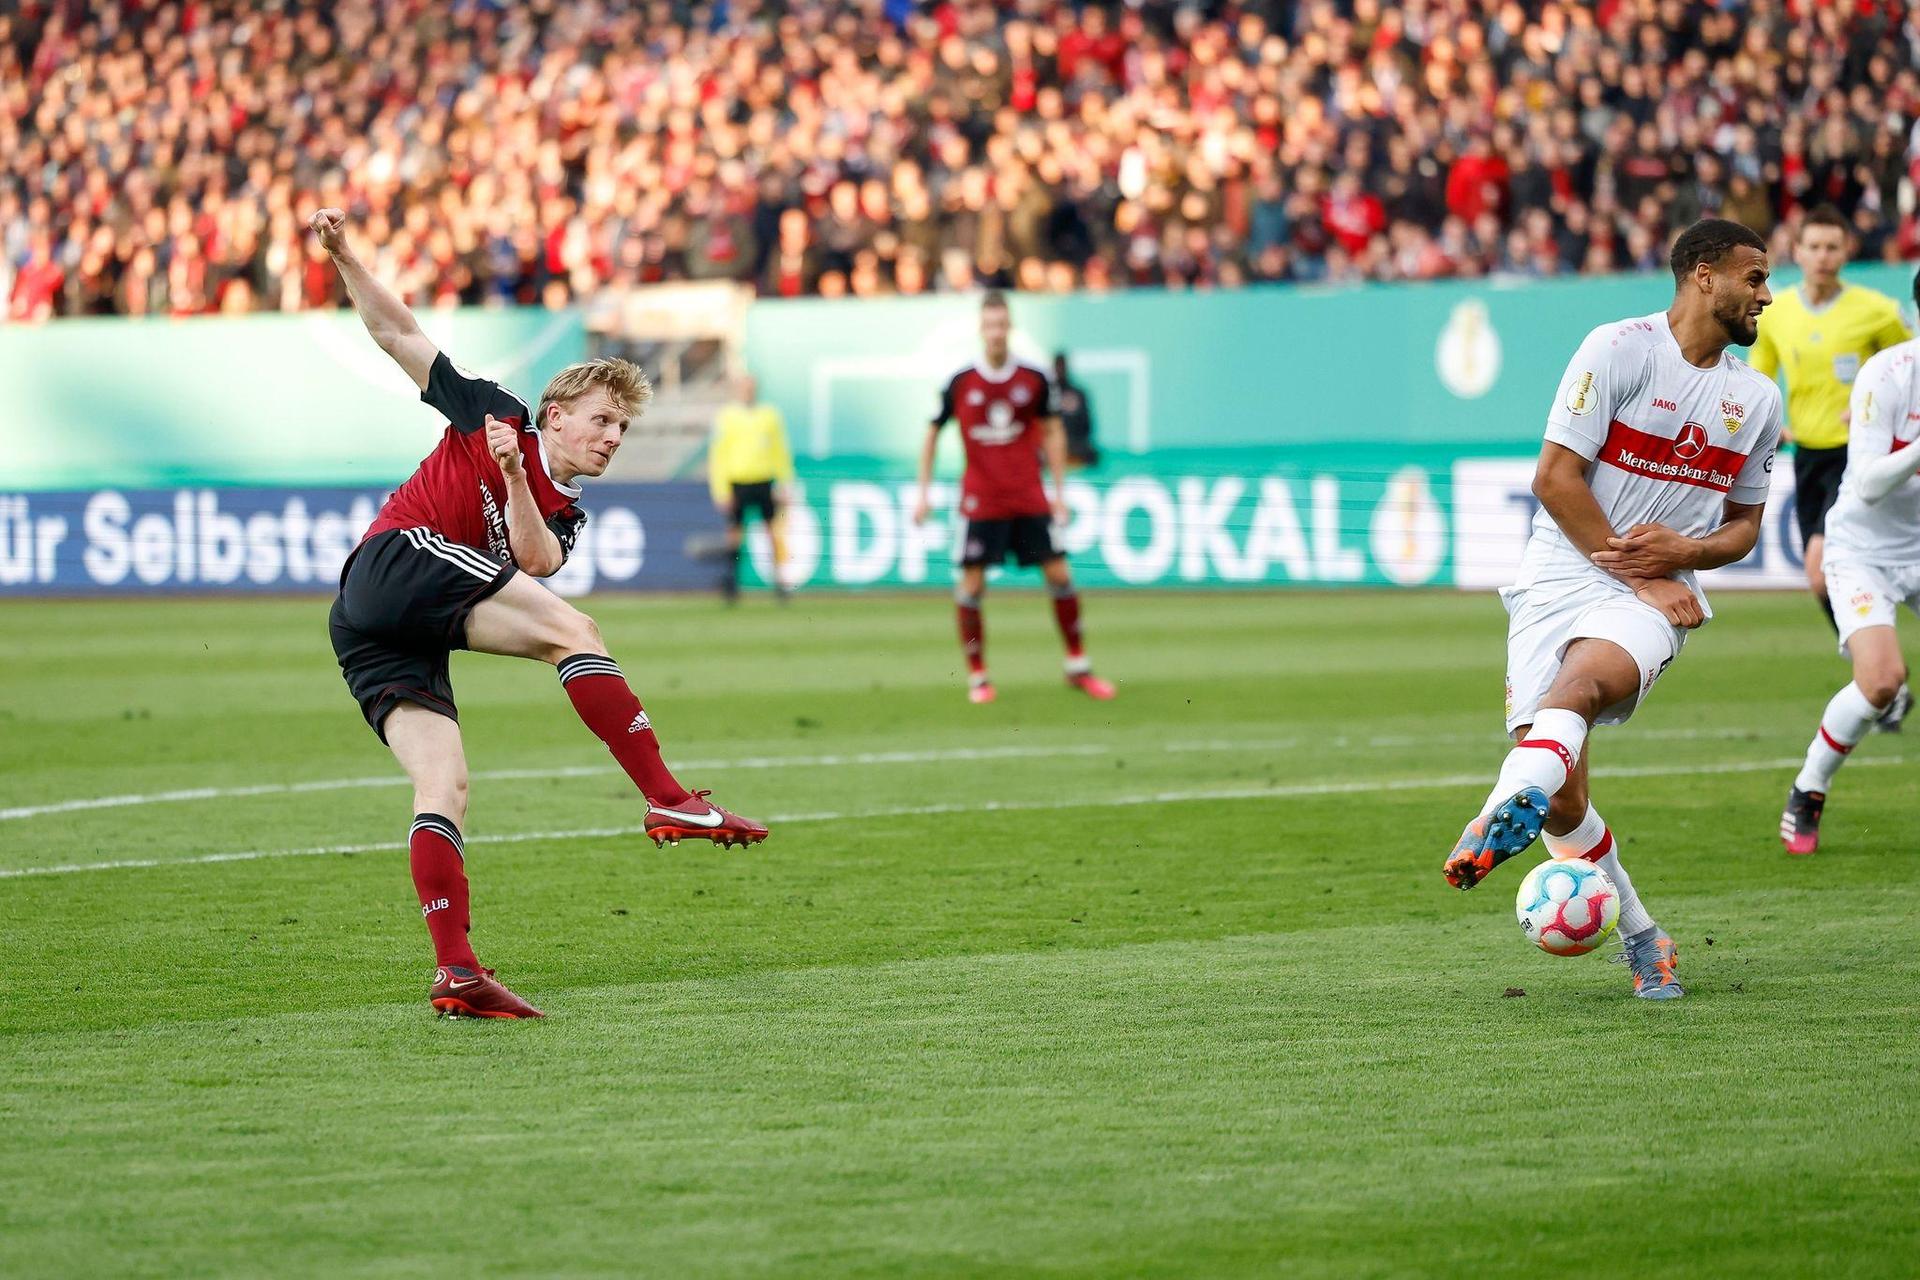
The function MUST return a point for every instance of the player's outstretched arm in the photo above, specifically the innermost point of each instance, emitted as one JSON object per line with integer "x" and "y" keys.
{"x": 386, "y": 317}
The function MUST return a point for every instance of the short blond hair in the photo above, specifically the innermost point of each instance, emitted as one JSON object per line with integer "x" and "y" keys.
{"x": 624, "y": 382}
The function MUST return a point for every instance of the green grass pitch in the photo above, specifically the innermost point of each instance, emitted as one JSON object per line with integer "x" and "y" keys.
{"x": 1165, "y": 987}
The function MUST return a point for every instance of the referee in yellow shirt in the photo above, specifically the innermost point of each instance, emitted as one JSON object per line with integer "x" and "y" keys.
{"x": 1819, "y": 333}
{"x": 748, "y": 469}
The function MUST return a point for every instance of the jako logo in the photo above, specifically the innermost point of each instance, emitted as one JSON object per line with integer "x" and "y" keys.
{"x": 1668, "y": 405}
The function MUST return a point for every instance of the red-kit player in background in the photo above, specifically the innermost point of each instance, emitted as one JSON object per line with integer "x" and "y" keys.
{"x": 450, "y": 563}
{"x": 1005, "y": 412}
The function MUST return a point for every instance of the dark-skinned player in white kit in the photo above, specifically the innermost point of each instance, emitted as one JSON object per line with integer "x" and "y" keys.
{"x": 1657, "y": 463}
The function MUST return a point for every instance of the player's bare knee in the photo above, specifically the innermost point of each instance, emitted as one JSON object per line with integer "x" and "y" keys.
{"x": 570, "y": 631}
{"x": 1584, "y": 695}
{"x": 445, "y": 795}
{"x": 1881, "y": 683}
{"x": 589, "y": 631}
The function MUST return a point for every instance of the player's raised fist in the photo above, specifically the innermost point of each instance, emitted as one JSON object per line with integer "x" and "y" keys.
{"x": 503, "y": 441}
{"x": 331, "y": 226}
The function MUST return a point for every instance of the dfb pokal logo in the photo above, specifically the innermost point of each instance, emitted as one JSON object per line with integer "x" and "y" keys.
{"x": 1692, "y": 442}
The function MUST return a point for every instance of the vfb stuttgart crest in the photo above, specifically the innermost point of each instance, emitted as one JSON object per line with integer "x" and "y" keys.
{"x": 1733, "y": 414}
{"x": 1692, "y": 442}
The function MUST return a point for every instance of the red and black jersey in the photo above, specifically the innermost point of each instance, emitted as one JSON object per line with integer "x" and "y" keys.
{"x": 458, "y": 490}
{"x": 1001, "y": 413}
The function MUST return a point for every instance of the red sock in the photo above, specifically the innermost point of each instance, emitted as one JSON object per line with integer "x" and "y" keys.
{"x": 973, "y": 635}
{"x": 1601, "y": 847}
{"x": 607, "y": 705}
{"x": 1066, "y": 612}
{"x": 440, "y": 878}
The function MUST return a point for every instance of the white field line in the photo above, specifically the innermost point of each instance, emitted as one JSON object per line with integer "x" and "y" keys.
{"x": 1294, "y": 790}
{"x": 566, "y": 771}
{"x": 796, "y": 762}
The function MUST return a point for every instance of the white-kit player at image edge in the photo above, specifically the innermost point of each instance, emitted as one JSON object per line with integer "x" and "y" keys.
{"x": 1873, "y": 567}
{"x": 1656, "y": 464}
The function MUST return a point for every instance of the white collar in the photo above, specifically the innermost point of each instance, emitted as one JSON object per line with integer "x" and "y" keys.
{"x": 1001, "y": 374}
{"x": 1673, "y": 340}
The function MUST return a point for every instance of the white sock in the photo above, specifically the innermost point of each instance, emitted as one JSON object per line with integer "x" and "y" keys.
{"x": 1543, "y": 759}
{"x": 1845, "y": 722}
{"x": 1634, "y": 919}
{"x": 1590, "y": 840}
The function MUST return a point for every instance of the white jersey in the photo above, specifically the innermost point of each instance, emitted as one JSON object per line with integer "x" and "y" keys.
{"x": 1667, "y": 442}
{"x": 1885, "y": 418}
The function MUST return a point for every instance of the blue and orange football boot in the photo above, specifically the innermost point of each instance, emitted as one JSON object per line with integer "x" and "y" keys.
{"x": 1511, "y": 827}
{"x": 1654, "y": 959}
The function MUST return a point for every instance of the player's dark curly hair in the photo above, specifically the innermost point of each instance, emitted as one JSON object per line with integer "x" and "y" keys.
{"x": 1709, "y": 240}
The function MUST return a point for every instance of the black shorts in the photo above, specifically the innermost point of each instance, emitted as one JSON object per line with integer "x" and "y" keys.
{"x": 1029, "y": 538}
{"x": 404, "y": 599}
{"x": 1816, "y": 485}
{"x": 757, "y": 496}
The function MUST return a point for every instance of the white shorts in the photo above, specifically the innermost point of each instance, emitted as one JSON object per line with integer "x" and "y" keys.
{"x": 1544, "y": 619}
{"x": 1867, "y": 595}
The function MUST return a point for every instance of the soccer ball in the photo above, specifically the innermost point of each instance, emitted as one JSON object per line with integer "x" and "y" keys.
{"x": 1568, "y": 906}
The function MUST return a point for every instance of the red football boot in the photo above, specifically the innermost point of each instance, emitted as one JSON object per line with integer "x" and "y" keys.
{"x": 1093, "y": 686}
{"x": 697, "y": 818}
{"x": 465, "y": 993}
{"x": 1800, "y": 823}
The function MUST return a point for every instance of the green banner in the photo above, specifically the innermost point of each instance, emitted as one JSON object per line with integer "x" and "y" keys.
{"x": 1465, "y": 362}
{"x": 1314, "y": 515}
{"x": 1325, "y": 515}
{"x": 259, "y": 400}
{"x": 308, "y": 400}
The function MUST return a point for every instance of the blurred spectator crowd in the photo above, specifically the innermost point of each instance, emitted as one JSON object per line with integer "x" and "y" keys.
{"x": 159, "y": 157}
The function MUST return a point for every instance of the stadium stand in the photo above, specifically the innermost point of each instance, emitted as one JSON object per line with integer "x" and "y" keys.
{"x": 157, "y": 158}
